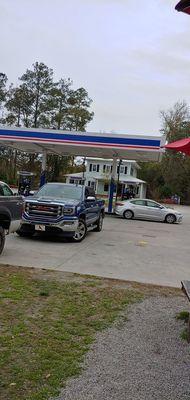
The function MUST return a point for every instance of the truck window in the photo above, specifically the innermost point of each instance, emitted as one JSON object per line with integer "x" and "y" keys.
{"x": 89, "y": 192}
{"x": 60, "y": 191}
{"x": 6, "y": 191}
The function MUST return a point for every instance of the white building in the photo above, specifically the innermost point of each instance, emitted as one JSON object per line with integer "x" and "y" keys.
{"x": 98, "y": 174}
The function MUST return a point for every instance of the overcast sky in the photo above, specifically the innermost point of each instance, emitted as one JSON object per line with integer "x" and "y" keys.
{"x": 133, "y": 58}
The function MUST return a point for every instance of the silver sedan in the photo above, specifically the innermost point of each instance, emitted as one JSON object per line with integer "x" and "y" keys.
{"x": 148, "y": 210}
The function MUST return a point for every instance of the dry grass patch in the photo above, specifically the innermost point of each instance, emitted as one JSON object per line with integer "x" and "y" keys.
{"x": 48, "y": 324}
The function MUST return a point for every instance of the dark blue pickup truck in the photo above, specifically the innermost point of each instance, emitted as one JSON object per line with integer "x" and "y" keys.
{"x": 66, "y": 209}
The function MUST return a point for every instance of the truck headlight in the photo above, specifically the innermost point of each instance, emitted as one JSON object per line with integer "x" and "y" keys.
{"x": 26, "y": 207}
{"x": 60, "y": 210}
{"x": 68, "y": 210}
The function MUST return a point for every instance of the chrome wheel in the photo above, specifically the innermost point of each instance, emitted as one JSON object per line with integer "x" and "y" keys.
{"x": 170, "y": 219}
{"x": 128, "y": 214}
{"x": 81, "y": 232}
{"x": 99, "y": 224}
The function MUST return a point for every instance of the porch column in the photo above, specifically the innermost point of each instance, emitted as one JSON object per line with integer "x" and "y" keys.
{"x": 96, "y": 183}
{"x": 43, "y": 169}
{"x": 141, "y": 191}
{"x": 112, "y": 185}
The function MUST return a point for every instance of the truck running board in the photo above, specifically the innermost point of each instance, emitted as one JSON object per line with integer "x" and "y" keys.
{"x": 91, "y": 227}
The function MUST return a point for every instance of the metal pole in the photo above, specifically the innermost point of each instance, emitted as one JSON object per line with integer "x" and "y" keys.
{"x": 83, "y": 178}
{"x": 112, "y": 185}
{"x": 118, "y": 175}
{"x": 43, "y": 170}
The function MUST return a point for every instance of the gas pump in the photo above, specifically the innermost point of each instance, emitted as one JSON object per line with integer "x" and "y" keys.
{"x": 25, "y": 181}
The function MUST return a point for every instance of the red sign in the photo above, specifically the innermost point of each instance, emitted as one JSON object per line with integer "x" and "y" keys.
{"x": 184, "y": 6}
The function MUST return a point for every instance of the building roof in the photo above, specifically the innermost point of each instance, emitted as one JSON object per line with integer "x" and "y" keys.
{"x": 108, "y": 159}
{"x": 103, "y": 177}
{"x": 111, "y": 160}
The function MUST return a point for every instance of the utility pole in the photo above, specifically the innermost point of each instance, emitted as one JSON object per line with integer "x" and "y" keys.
{"x": 118, "y": 175}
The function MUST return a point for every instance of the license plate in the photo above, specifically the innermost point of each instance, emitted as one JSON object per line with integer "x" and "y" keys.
{"x": 40, "y": 228}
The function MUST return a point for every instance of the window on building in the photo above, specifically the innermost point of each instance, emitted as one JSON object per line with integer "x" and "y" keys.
{"x": 132, "y": 171}
{"x": 107, "y": 169}
{"x": 106, "y": 187}
{"x": 123, "y": 169}
{"x": 94, "y": 167}
{"x": 76, "y": 181}
{"x": 92, "y": 184}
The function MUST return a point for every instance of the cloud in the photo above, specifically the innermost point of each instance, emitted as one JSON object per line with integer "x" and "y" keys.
{"x": 132, "y": 57}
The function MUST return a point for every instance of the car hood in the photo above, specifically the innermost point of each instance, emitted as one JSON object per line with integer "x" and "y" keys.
{"x": 172, "y": 210}
{"x": 52, "y": 200}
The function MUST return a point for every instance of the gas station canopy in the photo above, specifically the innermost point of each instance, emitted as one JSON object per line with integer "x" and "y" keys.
{"x": 66, "y": 143}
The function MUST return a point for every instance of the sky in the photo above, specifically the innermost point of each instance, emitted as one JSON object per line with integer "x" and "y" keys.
{"x": 133, "y": 57}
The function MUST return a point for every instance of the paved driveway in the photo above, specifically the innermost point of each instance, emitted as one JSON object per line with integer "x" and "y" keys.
{"x": 149, "y": 252}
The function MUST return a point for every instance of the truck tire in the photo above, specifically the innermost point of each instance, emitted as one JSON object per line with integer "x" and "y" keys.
{"x": 99, "y": 224}
{"x": 81, "y": 232}
{"x": 2, "y": 239}
{"x": 24, "y": 234}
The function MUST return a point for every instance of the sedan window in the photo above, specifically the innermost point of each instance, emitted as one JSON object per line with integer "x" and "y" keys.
{"x": 152, "y": 204}
{"x": 138, "y": 202}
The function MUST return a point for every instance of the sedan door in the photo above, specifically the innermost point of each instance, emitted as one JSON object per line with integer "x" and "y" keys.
{"x": 139, "y": 209}
{"x": 154, "y": 210}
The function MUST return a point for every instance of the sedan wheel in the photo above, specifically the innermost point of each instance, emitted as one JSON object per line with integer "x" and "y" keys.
{"x": 81, "y": 232}
{"x": 170, "y": 219}
{"x": 128, "y": 214}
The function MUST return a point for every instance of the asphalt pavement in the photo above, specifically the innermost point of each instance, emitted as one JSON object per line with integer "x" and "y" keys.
{"x": 143, "y": 251}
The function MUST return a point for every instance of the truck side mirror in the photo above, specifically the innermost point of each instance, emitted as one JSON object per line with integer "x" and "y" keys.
{"x": 90, "y": 198}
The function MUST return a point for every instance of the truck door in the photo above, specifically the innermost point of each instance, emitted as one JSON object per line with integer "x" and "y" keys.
{"x": 14, "y": 203}
{"x": 92, "y": 209}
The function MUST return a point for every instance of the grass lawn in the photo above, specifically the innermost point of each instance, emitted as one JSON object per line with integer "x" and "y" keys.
{"x": 47, "y": 325}
{"x": 48, "y": 322}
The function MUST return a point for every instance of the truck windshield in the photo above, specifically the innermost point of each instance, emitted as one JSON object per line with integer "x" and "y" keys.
{"x": 60, "y": 191}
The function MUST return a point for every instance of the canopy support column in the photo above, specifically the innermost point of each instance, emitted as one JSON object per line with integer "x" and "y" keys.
{"x": 43, "y": 170}
{"x": 112, "y": 185}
